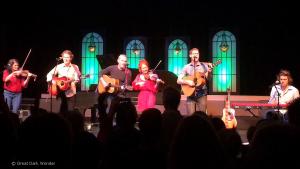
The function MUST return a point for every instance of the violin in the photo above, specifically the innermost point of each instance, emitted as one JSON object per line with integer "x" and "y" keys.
{"x": 24, "y": 73}
{"x": 151, "y": 76}
{"x": 154, "y": 77}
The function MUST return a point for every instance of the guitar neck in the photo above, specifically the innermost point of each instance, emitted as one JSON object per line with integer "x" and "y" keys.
{"x": 228, "y": 98}
{"x": 215, "y": 64}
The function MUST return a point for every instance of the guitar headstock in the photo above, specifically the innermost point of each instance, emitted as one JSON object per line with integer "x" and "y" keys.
{"x": 228, "y": 90}
{"x": 217, "y": 62}
{"x": 85, "y": 76}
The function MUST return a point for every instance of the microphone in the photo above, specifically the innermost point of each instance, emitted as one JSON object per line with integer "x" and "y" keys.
{"x": 59, "y": 58}
{"x": 275, "y": 83}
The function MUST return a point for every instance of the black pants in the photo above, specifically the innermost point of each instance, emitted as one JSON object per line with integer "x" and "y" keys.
{"x": 67, "y": 103}
{"x": 104, "y": 103}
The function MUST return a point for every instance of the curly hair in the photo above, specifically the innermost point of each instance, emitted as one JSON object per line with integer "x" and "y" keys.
{"x": 143, "y": 62}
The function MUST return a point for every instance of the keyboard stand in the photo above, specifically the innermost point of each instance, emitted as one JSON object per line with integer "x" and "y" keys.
{"x": 248, "y": 108}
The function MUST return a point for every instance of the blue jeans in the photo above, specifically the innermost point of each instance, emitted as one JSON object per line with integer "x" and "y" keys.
{"x": 200, "y": 103}
{"x": 13, "y": 100}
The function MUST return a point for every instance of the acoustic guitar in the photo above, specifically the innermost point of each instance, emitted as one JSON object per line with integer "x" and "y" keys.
{"x": 113, "y": 85}
{"x": 61, "y": 84}
{"x": 228, "y": 115}
{"x": 198, "y": 78}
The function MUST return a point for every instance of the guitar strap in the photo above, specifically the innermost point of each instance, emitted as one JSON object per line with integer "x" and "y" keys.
{"x": 204, "y": 67}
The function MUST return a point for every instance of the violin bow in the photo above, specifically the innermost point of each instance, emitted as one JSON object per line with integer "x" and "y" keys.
{"x": 26, "y": 59}
{"x": 156, "y": 66}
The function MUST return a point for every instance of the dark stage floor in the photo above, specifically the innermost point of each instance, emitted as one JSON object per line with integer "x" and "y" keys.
{"x": 244, "y": 122}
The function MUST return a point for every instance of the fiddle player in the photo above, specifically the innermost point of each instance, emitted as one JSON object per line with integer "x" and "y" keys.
{"x": 14, "y": 82}
{"x": 198, "y": 100}
{"x": 147, "y": 83}
{"x": 72, "y": 74}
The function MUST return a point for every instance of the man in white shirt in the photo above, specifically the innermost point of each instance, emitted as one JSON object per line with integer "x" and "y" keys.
{"x": 284, "y": 92}
{"x": 62, "y": 79}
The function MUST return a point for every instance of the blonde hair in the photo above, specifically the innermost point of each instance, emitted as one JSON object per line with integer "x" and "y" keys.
{"x": 191, "y": 50}
{"x": 67, "y": 52}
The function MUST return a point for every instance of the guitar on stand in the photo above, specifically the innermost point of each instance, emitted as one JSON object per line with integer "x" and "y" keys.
{"x": 200, "y": 81}
{"x": 228, "y": 116}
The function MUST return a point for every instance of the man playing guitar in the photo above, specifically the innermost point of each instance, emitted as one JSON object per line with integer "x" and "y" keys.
{"x": 199, "y": 72}
{"x": 62, "y": 81}
{"x": 114, "y": 81}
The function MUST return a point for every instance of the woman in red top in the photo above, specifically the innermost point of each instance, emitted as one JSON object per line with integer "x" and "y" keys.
{"x": 147, "y": 82}
{"x": 14, "y": 82}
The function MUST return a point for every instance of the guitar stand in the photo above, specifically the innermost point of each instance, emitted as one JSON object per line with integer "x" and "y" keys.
{"x": 249, "y": 110}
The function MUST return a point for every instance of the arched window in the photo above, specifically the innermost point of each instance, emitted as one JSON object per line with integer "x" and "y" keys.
{"x": 135, "y": 51}
{"x": 177, "y": 56}
{"x": 224, "y": 75}
{"x": 92, "y": 46}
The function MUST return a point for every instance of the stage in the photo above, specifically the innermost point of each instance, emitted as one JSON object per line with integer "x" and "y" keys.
{"x": 86, "y": 103}
{"x": 215, "y": 105}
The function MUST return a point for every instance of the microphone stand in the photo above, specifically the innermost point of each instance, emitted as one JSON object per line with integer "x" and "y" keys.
{"x": 126, "y": 81}
{"x": 195, "y": 82}
{"x": 278, "y": 104}
{"x": 51, "y": 103}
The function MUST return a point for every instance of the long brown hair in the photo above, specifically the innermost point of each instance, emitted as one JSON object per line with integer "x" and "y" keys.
{"x": 10, "y": 63}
